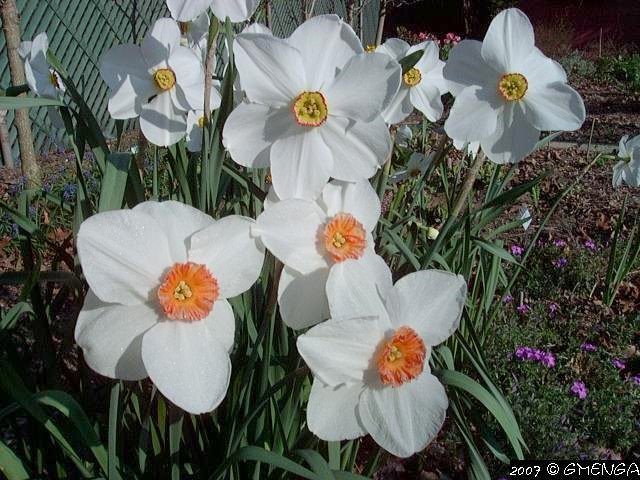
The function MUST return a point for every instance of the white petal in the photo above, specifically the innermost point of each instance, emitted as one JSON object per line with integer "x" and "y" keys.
{"x": 302, "y": 298}
{"x": 194, "y": 132}
{"x": 540, "y": 70}
{"x": 189, "y": 89}
{"x": 326, "y": 44}
{"x": 271, "y": 71}
{"x": 358, "y": 148}
{"x": 465, "y": 67}
{"x": 124, "y": 70}
{"x": 187, "y": 363}
{"x": 426, "y": 98}
{"x": 301, "y": 165}
{"x": 508, "y": 39}
{"x": 473, "y": 115}
{"x": 159, "y": 42}
{"x": 399, "y": 108}
{"x": 365, "y": 85}
{"x": 257, "y": 28}
{"x": 230, "y": 252}
{"x": 110, "y": 336}
{"x": 250, "y": 131}
{"x": 430, "y": 302}
{"x": 178, "y": 222}
{"x": 290, "y": 230}
{"x": 186, "y": 10}
{"x": 355, "y": 289}
{"x": 358, "y": 198}
{"x": 405, "y": 419}
{"x": 556, "y": 106}
{"x": 222, "y": 324}
{"x": 24, "y": 50}
{"x": 396, "y": 48}
{"x": 618, "y": 171}
{"x": 124, "y": 255}
{"x": 513, "y": 139}
{"x": 161, "y": 123}
{"x": 331, "y": 412}
{"x": 341, "y": 351}
{"x": 236, "y": 10}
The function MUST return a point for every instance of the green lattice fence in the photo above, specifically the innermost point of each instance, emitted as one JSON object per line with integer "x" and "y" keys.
{"x": 80, "y": 31}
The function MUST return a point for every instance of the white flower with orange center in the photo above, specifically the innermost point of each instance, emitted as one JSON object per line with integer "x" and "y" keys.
{"x": 422, "y": 85}
{"x": 313, "y": 106}
{"x": 159, "y": 276}
{"x": 507, "y": 91}
{"x": 159, "y": 81}
{"x": 236, "y": 10}
{"x": 370, "y": 361}
{"x": 312, "y": 238}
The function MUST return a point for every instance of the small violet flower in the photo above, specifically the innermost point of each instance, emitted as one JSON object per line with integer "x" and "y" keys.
{"x": 507, "y": 298}
{"x": 516, "y": 250}
{"x": 579, "y": 389}
{"x": 590, "y": 245}
{"x": 560, "y": 243}
{"x": 553, "y": 309}
{"x": 523, "y": 309}
{"x": 548, "y": 359}
{"x": 588, "y": 347}
{"x": 560, "y": 263}
{"x": 619, "y": 364}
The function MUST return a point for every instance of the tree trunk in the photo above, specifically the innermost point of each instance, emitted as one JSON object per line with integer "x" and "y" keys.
{"x": 381, "y": 18}
{"x": 467, "y": 12}
{"x": 5, "y": 141}
{"x": 11, "y": 27}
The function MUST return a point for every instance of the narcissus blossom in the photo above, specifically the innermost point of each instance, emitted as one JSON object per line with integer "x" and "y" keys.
{"x": 160, "y": 81}
{"x": 507, "y": 91}
{"x": 422, "y": 85}
{"x": 159, "y": 276}
{"x": 627, "y": 170}
{"x": 312, "y": 237}
{"x": 370, "y": 361}
{"x": 42, "y": 79}
{"x": 416, "y": 167}
{"x": 236, "y": 10}
{"x": 313, "y": 109}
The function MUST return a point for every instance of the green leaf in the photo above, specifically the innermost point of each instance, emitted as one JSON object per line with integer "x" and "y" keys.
{"x": 317, "y": 463}
{"x": 114, "y": 181}
{"x": 9, "y": 319}
{"x": 115, "y": 414}
{"x": 13, "y": 103}
{"x": 257, "y": 454}
{"x": 10, "y": 465}
{"x": 408, "y": 62}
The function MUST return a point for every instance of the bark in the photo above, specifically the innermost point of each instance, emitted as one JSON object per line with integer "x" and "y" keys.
{"x": 11, "y": 27}
{"x": 381, "y": 18}
{"x": 5, "y": 142}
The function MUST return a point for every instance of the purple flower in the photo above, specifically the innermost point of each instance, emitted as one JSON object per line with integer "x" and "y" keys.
{"x": 516, "y": 250}
{"x": 69, "y": 192}
{"x": 523, "y": 309}
{"x": 507, "y": 298}
{"x": 15, "y": 231}
{"x": 560, "y": 243}
{"x": 560, "y": 263}
{"x": 579, "y": 389}
{"x": 588, "y": 347}
{"x": 47, "y": 187}
{"x": 619, "y": 364}
{"x": 548, "y": 359}
{"x": 553, "y": 309}
{"x": 636, "y": 379}
{"x": 590, "y": 244}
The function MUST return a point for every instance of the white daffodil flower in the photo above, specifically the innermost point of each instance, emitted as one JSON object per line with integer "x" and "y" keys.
{"x": 422, "y": 86}
{"x": 160, "y": 81}
{"x": 159, "y": 276}
{"x": 470, "y": 149}
{"x": 507, "y": 91}
{"x": 42, "y": 79}
{"x": 311, "y": 238}
{"x": 370, "y": 361}
{"x": 196, "y": 120}
{"x": 236, "y": 10}
{"x": 404, "y": 135}
{"x": 313, "y": 107}
{"x": 627, "y": 170}
{"x": 416, "y": 167}
{"x": 195, "y": 35}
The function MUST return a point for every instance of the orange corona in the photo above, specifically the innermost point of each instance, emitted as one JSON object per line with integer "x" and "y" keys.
{"x": 344, "y": 238}
{"x": 188, "y": 292}
{"x": 401, "y": 359}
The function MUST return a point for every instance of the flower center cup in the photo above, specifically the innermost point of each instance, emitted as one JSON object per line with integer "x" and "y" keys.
{"x": 310, "y": 109}
{"x": 165, "y": 78}
{"x": 188, "y": 292}
{"x": 513, "y": 86}
{"x": 402, "y": 358}
{"x": 412, "y": 77}
{"x": 184, "y": 27}
{"x": 202, "y": 121}
{"x": 53, "y": 78}
{"x": 344, "y": 238}
{"x": 370, "y": 48}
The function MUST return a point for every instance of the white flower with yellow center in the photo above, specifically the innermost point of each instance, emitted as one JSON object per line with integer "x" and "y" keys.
{"x": 312, "y": 238}
{"x": 422, "y": 86}
{"x": 159, "y": 276}
{"x": 507, "y": 91}
{"x": 627, "y": 170}
{"x": 416, "y": 167}
{"x": 370, "y": 361}
{"x": 313, "y": 109}
{"x": 236, "y": 10}
{"x": 43, "y": 80}
{"x": 160, "y": 81}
